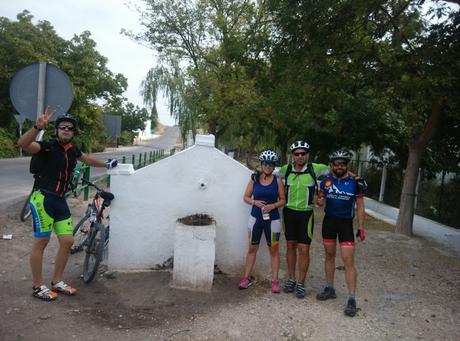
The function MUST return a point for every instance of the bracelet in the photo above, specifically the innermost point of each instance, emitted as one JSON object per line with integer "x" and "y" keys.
{"x": 39, "y": 129}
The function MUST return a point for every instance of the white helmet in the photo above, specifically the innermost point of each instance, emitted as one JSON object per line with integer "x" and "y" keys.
{"x": 300, "y": 144}
{"x": 340, "y": 154}
{"x": 268, "y": 156}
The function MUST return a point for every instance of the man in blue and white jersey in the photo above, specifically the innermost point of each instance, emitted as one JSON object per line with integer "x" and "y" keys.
{"x": 339, "y": 192}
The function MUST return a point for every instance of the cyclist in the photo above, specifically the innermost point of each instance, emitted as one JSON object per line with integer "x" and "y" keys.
{"x": 340, "y": 191}
{"x": 265, "y": 193}
{"x": 300, "y": 183}
{"x": 58, "y": 159}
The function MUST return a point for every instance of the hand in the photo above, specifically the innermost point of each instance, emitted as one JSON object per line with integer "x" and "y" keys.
{"x": 320, "y": 201}
{"x": 111, "y": 163}
{"x": 362, "y": 184}
{"x": 259, "y": 203}
{"x": 360, "y": 234}
{"x": 269, "y": 207}
{"x": 42, "y": 120}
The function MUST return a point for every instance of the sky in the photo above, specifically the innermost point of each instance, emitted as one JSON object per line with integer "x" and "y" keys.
{"x": 104, "y": 19}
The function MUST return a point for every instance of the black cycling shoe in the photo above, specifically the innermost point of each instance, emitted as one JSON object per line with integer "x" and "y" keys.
{"x": 350, "y": 310}
{"x": 326, "y": 294}
{"x": 289, "y": 286}
{"x": 300, "y": 290}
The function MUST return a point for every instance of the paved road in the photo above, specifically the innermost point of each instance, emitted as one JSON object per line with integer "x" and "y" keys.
{"x": 16, "y": 181}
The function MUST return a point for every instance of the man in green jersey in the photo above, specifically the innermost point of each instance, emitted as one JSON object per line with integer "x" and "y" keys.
{"x": 300, "y": 183}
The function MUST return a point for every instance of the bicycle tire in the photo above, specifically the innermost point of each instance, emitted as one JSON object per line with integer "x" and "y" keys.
{"x": 26, "y": 211}
{"x": 94, "y": 251}
{"x": 80, "y": 233}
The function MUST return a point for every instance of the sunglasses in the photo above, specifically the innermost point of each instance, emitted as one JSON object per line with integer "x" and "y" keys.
{"x": 66, "y": 127}
{"x": 300, "y": 154}
{"x": 340, "y": 163}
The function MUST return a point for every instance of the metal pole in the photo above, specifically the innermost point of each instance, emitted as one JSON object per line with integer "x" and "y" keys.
{"x": 383, "y": 182}
{"x": 41, "y": 94}
{"x": 20, "y": 134}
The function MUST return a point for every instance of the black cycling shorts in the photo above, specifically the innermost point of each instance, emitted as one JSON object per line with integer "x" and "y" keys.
{"x": 298, "y": 225}
{"x": 343, "y": 228}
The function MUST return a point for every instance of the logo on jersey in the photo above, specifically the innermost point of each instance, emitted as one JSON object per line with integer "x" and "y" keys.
{"x": 328, "y": 183}
{"x": 334, "y": 190}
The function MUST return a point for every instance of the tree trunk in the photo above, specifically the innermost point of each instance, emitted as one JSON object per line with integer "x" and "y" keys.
{"x": 407, "y": 201}
{"x": 416, "y": 148}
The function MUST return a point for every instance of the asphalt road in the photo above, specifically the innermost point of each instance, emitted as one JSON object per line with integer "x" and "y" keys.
{"x": 16, "y": 181}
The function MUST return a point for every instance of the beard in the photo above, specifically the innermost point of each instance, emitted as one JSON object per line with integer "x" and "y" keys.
{"x": 338, "y": 173}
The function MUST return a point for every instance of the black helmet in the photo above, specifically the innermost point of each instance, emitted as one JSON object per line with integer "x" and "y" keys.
{"x": 66, "y": 117}
{"x": 340, "y": 154}
{"x": 268, "y": 156}
{"x": 300, "y": 144}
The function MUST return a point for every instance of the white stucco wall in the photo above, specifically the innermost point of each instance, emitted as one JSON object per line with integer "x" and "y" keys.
{"x": 200, "y": 179}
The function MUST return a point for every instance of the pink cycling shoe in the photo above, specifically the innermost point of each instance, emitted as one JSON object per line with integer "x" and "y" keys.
{"x": 276, "y": 289}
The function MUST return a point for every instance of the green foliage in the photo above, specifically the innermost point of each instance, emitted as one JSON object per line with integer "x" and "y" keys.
{"x": 126, "y": 138}
{"x": 22, "y": 43}
{"x": 7, "y": 145}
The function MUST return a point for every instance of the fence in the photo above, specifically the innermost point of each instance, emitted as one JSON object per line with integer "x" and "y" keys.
{"x": 137, "y": 160}
{"x": 436, "y": 197}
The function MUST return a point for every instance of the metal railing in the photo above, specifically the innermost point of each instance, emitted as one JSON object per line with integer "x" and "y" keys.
{"x": 137, "y": 160}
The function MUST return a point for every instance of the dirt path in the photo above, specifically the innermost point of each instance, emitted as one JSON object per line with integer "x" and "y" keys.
{"x": 408, "y": 289}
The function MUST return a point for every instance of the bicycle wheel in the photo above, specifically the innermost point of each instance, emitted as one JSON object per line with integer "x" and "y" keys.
{"x": 26, "y": 211}
{"x": 94, "y": 251}
{"x": 80, "y": 234}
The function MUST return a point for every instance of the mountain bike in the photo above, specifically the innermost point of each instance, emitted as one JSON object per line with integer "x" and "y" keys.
{"x": 90, "y": 233}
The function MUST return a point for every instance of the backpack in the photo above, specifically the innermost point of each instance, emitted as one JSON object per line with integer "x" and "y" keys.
{"x": 309, "y": 170}
{"x": 37, "y": 163}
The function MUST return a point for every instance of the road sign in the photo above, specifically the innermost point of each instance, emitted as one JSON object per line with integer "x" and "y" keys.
{"x": 39, "y": 85}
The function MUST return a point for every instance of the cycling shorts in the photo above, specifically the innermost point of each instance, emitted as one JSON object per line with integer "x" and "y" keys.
{"x": 50, "y": 212}
{"x": 271, "y": 229}
{"x": 298, "y": 225}
{"x": 343, "y": 228}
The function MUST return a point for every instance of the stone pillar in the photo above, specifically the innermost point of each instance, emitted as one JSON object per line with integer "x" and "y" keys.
{"x": 194, "y": 254}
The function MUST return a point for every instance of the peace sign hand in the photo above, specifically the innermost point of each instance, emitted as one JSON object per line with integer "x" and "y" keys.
{"x": 42, "y": 120}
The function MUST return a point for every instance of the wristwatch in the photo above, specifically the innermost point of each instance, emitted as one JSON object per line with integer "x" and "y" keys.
{"x": 39, "y": 129}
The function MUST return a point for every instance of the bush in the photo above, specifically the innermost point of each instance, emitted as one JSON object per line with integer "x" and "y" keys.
{"x": 7, "y": 145}
{"x": 126, "y": 138}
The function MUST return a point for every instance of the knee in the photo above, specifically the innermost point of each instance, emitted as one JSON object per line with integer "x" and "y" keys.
{"x": 66, "y": 243}
{"x": 304, "y": 251}
{"x": 253, "y": 249}
{"x": 348, "y": 262}
{"x": 274, "y": 250}
{"x": 330, "y": 256}
{"x": 40, "y": 243}
{"x": 291, "y": 246}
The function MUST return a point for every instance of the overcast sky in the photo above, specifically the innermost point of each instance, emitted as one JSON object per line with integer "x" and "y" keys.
{"x": 104, "y": 19}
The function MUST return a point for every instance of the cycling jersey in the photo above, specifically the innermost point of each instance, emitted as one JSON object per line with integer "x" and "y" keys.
{"x": 57, "y": 170}
{"x": 300, "y": 186}
{"x": 340, "y": 196}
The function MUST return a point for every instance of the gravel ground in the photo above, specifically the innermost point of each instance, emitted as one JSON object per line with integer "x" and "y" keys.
{"x": 408, "y": 289}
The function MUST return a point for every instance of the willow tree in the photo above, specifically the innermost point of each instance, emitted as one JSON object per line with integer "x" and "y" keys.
{"x": 206, "y": 50}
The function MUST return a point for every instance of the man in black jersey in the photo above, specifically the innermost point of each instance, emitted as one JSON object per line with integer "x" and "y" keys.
{"x": 57, "y": 159}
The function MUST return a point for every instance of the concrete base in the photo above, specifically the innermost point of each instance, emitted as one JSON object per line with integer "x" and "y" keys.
{"x": 194, "y": 256}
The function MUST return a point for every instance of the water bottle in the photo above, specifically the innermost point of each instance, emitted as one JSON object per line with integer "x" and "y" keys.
{"x": 265, "y": 214}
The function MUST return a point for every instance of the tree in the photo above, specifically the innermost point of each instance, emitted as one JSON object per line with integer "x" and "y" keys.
{"x": 22, "y": 43}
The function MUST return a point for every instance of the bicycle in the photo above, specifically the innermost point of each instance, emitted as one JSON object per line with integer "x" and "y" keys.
{"x": 90, "y": 234}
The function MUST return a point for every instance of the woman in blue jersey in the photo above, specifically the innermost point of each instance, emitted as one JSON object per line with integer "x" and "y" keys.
{"x": 265, "y": 192}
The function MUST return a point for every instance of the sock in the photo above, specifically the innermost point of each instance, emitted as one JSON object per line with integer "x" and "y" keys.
{"x": 351, "y": 297}
{"x": 330, "y": 285}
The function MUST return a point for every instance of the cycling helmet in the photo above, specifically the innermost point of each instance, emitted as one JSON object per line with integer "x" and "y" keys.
{"x": 268, "y": 156}
{"x": 66, "y": 117}
{"x": 340, "y": 154}
{"x": 300, "y": 144}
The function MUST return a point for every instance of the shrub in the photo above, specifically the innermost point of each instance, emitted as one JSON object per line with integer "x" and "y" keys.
{"x": 7, "y": 145}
